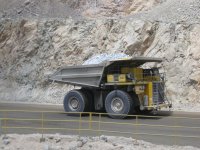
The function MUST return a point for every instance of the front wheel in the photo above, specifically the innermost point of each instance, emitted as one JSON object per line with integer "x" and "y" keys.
{"x": 118, "y": 104}
{"x": 76, "y": 101}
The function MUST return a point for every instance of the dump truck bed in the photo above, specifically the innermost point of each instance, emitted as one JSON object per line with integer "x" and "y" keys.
{"x": 86, "y": 75}
{"x": 91, "y": 75}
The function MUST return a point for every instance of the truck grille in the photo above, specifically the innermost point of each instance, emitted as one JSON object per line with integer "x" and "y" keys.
{"x": 158, "y": 93}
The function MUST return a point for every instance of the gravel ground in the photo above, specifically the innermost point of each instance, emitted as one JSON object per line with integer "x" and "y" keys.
{"x": 77, "y": 9}
{"x": 36, "y": 9}
{"x": 174, "y": 11}
{"x": 67, "y": 142}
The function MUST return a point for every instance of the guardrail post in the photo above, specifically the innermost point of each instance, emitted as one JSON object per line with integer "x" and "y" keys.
{"x": 0, "y": 127}
{"x": 99, "y": 127}
{"x": 80, "y": 124}
{"x": 175, "y": 131}
{"x": 90, "y": 121}
{"x": 136, "y": 125}
{"x": 5, "y": 123}
{"x": 42, "y": 125}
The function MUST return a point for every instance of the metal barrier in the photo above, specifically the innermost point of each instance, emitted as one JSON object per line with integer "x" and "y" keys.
{"x": 95, "y": 123}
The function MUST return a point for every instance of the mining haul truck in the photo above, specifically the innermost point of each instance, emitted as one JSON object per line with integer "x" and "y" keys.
{"x": 120, "y": 87}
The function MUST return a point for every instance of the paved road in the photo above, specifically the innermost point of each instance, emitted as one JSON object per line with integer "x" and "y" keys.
{"x": 163, "y": 118}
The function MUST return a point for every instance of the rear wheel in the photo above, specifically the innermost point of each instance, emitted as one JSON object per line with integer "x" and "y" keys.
{"x": 76, "y": 101}
{"x": 118, "y": 104}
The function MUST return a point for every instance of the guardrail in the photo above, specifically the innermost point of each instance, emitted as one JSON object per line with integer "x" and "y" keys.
{"x": 96, "y": 124}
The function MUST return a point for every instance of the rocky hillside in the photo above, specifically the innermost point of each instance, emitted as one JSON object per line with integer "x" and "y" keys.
{"x": 31, "y": 49}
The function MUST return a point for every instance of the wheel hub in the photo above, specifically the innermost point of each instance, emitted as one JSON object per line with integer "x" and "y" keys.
{"x": 117, "y": 104}
{"x": 73, "y": 103}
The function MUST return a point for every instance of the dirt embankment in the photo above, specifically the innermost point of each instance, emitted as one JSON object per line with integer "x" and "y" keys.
{"x": 61, "y": 142}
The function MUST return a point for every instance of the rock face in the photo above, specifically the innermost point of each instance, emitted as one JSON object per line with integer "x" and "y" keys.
{"x": 30, "y": 50}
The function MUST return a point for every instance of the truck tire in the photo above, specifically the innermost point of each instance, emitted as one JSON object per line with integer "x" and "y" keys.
{"x": 118, "y": 102}
{"x": 75, "y": 101}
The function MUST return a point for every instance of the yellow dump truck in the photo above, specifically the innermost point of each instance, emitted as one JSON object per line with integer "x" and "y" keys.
{"x": 120, "y": 87}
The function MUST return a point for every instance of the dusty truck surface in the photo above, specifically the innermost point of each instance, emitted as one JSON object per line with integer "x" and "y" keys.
{"x": 120, "y": 87}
